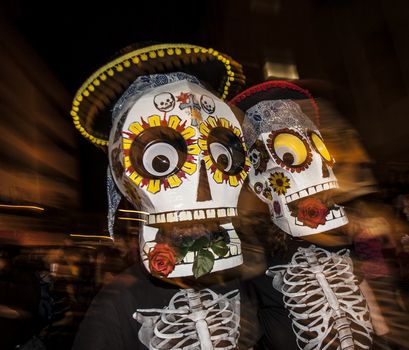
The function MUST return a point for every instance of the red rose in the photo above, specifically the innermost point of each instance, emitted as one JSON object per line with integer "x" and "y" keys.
{"x": 162, "y": 259}
{"x": 312, "y": 212}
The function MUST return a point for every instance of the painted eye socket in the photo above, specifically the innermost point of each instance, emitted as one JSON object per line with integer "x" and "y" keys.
{"x": 319, "y": 145}
{"x": 291, "y": 149}
{"x": 222, "y": 156}
{"x": 226, "y": 150}
{"x": 158, "y": 152}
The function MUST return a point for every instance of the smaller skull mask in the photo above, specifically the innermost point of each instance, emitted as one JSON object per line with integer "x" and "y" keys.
{"x": 164, "y": 102}
{"x": 298, "y": 177}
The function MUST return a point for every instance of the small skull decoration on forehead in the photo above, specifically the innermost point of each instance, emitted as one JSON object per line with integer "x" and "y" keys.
{"x": 186, "y": 161}
{"x": 291, "y": 168}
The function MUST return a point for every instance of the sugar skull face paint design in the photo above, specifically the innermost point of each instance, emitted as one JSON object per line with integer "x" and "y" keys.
{"x": 298, "y": 176}
{"x": 207, "y": 104}
{"x": 259, "y": 157}
{"x": 164, "y": 102}
{"x": 185, "y": 165}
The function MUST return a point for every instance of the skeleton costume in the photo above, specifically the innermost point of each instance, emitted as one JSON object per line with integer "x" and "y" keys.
{"x": 176, "y": 152}
{"x": 310, "y": 298}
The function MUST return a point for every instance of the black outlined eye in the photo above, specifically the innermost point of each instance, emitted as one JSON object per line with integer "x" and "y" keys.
{"x": 222, "y": 156}
{"x": 158, "y": 152}
{"x": 226, "y": 151}
{"x": 320, "y": 147}
{"x": 290, "y": 149}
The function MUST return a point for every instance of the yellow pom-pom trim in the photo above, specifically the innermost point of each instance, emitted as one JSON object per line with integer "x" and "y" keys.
{"x": 143, "y": 54}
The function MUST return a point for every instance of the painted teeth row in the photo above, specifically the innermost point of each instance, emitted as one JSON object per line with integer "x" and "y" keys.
{"x": 332, "y": 215}
{"x": 311, "y": 190}
{"x": 188, "y": 215}
{"x": 335, "y": 214}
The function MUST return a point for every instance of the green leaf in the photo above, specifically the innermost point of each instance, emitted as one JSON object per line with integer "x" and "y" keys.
{"x": 187, "y": 242}
{"x": 203, "y": 263}
{"x": 200, "y": 243}
{"x": 181, "y": 253}
{"x": 220, "y": 248}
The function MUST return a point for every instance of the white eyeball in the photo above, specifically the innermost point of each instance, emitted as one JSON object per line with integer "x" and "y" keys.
{"x": 160, "y": 159}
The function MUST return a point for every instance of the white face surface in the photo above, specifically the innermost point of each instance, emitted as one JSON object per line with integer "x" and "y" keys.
{"x": 178, "y": 149}
{"x": 291, "y": 170}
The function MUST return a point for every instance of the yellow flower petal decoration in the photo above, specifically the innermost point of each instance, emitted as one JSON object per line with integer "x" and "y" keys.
{"x": 173, "y": 180}
{"x": 219, "y": 175}
{"x": 279, "y": 182}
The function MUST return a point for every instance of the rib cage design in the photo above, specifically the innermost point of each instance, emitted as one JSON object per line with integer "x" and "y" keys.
{"x": 327, "y": 308}
{"x": 202, "y": 320}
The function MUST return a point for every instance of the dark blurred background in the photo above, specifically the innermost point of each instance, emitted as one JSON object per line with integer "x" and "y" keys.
{"x": 353, "y": 55}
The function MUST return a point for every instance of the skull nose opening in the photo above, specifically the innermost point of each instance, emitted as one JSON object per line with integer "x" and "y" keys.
{"x": 203, "y": 191}
{"x": 325, "y": 170}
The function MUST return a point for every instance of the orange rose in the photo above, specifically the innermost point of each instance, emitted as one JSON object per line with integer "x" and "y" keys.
{"x": 162, "y": 259}
{"x": 312, "y": 212}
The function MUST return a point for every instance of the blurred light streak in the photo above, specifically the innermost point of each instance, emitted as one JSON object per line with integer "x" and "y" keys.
{"x": 91, "y": 236}
{"x": 133, "y": 211}
{"x": 32, "y": 207}
{"x": 132, "y": 219}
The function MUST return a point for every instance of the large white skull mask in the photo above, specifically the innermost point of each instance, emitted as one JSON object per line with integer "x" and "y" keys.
{"x": 291, "y": 169}
{"x": 185, "y": 168}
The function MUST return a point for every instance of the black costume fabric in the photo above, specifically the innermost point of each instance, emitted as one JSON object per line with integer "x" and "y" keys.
{"x": 109, "y": 324}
